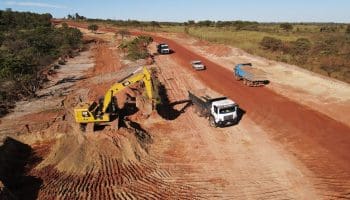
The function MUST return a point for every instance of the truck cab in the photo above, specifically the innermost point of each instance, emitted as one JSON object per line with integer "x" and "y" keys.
{"x": 163, "y": 48}
{"x": 220, "y": 110}
{"x": 223, "y": 113}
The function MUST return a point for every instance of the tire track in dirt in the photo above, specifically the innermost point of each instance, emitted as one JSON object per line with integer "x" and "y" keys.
{"x": 113, "y": 180}
{"x": 304, "y": 132}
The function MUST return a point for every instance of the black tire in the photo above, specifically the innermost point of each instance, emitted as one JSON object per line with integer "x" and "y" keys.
{"x": 212, "y": 122}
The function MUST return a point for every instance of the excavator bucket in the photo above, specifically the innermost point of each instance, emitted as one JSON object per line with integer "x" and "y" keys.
{"x": 144, "y": 105}
{"x": 155, "y": 85}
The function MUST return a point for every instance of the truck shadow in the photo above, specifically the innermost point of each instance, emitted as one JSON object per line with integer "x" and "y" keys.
{"x": 166, "y": 109}
{"x": 159, "y": 54}
{"x": 16, "y": 158}
{"x": 240, "y": 114}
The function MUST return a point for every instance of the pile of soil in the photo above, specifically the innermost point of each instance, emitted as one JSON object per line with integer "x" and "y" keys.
{"x": 79, "y": 153}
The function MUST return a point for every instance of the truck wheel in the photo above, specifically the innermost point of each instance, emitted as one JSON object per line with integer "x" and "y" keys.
{"x": 250, "y": 83}
{"x": 212, "y": 121}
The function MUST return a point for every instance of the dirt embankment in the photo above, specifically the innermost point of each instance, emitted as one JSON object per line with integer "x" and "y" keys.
{"x": 113, "y": 164}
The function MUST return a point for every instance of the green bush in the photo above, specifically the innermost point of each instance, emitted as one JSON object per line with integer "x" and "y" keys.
{"x": 286, "y": 26}
{"x": 93, "y": 27}
{"x": 137, "y": 48}
{"x": 301, "y": 46}
{"x": 271, "y": 43}
{"x": 28, "y": 44}
{"x": 328, "y": 29}
{"x": 348, "y": 29}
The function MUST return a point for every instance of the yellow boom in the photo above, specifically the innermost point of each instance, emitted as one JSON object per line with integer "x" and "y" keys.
{"x": 89, "y": 113}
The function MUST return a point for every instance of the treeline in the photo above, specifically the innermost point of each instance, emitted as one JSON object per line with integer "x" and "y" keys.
{"x": 134, "y": 23}
{"x": 28, "y": 43}
{"x": 239, "y": 25}
{"x": 206, "y": 23}
{"x": 231, "y": 25}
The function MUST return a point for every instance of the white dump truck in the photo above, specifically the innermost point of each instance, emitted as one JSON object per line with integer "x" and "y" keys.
{"x": 219, "y": 110}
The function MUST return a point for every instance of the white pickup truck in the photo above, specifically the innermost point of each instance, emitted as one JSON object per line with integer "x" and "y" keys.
{"x": 163, "y": 48}
{"x": 198, "y": 65}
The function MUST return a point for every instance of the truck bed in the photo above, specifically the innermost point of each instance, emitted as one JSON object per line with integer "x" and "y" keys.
{"x": 253, "y": 74}
{"x": 203, "y": 99}
{"x": 206, "y": 94}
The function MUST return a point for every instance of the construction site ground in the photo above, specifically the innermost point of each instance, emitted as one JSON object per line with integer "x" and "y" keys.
{"x": 292, "y": 141}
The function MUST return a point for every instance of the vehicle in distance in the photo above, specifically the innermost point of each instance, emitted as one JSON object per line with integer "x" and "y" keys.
{"x": 198, "y": 65}
{"x": 219, "y": 110}
{"x": 163, "y": 48}
{"x": 251, "y": 76}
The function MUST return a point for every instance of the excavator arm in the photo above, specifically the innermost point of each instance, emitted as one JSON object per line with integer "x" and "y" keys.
{"x": 86, "y": 113}
{"x": 145, "y": 76}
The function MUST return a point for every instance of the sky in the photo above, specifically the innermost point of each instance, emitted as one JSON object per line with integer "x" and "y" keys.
{"x": 184, "y": 10}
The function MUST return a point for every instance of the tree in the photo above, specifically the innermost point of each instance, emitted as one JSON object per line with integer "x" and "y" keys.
{"x": 286, "y": 26}
{"x": 137, "y": 48}
{"x": 93, "y": 27}
{"x": 205, "y": 23}
{"x": 155, "y": 24}
{"x": 191, "y": 22}
{"x": 64, "y": 25}
{"x": 348, "y": 29}
{"x": 77, "y": 16}
{"x": 301, "y": 46}
{"x": 123, "y": 33}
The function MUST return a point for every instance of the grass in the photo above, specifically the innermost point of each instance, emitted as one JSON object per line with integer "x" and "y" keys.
{"x": 250, "y": 42}
{"x": 329, "y": 54}
{"x": 246, "y": 40}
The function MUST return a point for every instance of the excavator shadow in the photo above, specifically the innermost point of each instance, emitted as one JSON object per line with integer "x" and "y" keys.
{"x": 127, "y": 110}
{"x": 16, "y": 159}
{"x": 166, "y": 109}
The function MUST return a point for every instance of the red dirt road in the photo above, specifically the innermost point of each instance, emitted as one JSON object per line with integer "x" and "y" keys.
{"x": 322, "y": 143}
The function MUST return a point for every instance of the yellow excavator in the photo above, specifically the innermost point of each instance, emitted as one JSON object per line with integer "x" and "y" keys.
{"x": 103, "y": 111}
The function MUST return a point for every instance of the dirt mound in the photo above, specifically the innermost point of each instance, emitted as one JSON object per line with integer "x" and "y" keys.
{"x": 80, "y": 153}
